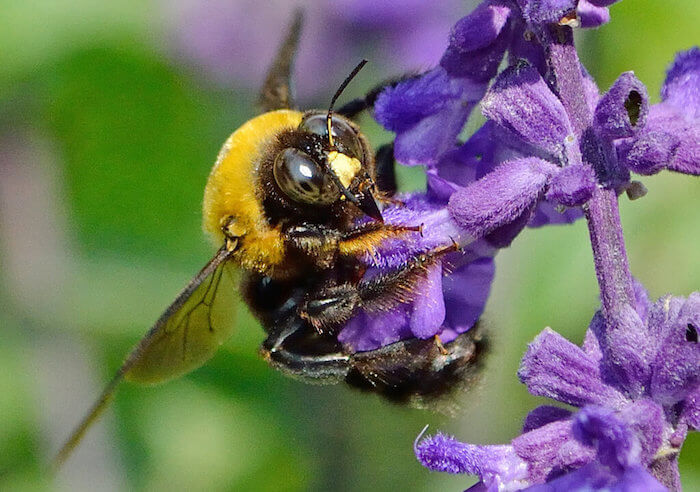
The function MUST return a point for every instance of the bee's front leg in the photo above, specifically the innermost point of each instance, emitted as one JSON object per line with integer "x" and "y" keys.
{"x": 323, "y": 245}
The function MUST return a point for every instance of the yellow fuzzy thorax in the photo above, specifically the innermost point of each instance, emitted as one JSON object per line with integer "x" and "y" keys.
{"x": 231, "y": 192}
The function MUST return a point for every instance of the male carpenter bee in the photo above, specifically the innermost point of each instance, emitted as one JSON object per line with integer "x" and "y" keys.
{"x": 293, "y": 202}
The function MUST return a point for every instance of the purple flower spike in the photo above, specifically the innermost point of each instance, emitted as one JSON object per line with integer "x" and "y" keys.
{"x": 521, "y": 102}
{"x": 638, "y": 382}
{"x": 501, "y": 196}
{"x": 623, "y": 110}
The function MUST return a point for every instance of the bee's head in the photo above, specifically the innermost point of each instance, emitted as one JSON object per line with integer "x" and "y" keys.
{"x": 315, "y": 169}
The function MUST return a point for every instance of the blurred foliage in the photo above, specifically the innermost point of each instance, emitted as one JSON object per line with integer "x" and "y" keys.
{"x": 134, "y": 134}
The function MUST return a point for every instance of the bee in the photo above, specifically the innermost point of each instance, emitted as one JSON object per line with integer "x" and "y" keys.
{"x": 293, "y": 202}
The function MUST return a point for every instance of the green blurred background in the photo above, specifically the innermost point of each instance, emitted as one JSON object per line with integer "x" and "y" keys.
{"x": 108, "y": 128}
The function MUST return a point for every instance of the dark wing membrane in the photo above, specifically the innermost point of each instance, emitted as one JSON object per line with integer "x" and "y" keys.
{"x": 276, "y": 92}
{"x": 186, "y": 335}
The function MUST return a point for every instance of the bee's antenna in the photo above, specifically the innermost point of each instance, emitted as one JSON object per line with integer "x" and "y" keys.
{"x": 337, "y": 94}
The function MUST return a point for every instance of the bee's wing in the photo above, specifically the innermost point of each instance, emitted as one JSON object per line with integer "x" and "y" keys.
{"x": 186, "y": 335}
{"x": 190, "y": 331}
{"x": 276, "y": 92}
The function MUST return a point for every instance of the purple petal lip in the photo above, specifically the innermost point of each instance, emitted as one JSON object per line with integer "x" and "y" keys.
{"x": 451, "y": 297}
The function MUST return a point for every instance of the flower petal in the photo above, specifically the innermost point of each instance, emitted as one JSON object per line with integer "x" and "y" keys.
{"x": 544, "y": 415}
{"x": 521, "y": 102}
{"x": 425, "y": 142}
{"x": 539, "y": 12}
{"x": 427, "y": 113}
{"x": 627, "y": 350}
{"x": 492, "y": 464}
{"x": 525, "y": 46}
{"x": 622, "y": 111}
{"x": 572, "y": 186}
{"x": 466, "y": 291}
{"x": 590, "y": 15}
{"x": 547, "y": 213}
{"x": 369, "y": 331}
{"x": 501, "y": 196}
{"x": 682, "y": 86}
{"x": 597, "y": 478}
{"x": 646, "y": 419}
{"x": 616, "y": 445}
{"x": 428, "y": 308}
{"x": 602, "y": 3}
{"x": 480, "y": 28}
{"x": 676, "y": 368}
{"x": 550, "y": 449}
{"x": 558, "y": 369}
{"x": 480, "y": 64}
{"x": 691, "y": 409}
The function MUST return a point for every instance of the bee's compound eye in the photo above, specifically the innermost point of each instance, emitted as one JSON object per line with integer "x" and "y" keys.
{"x": 344, "y": 137}
{"x": 302, "y": 180}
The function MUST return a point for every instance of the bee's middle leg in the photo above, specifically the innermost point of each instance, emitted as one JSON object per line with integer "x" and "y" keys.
{"x": 329, "y": 308}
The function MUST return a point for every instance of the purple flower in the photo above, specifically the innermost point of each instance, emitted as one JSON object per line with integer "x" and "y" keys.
{"x": 533, "y": 163}
{"x": 637, "y": 381}
{"x": 581, "y": 13}
{"x": 427, "y": 113}
{"x": 617, "y": 465}
{"x": 671, "y": 138}
{"x": 450, "y": 297}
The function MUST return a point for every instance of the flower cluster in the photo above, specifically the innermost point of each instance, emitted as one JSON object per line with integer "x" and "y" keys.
{"x": 637, "y": 380}
{"x": 553, "y": 149}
